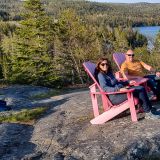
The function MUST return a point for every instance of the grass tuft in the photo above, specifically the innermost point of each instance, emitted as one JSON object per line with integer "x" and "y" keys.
{"x": 26, "y": 115}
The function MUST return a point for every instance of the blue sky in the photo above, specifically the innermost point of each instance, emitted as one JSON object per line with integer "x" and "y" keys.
{"x": 127, "y": 1}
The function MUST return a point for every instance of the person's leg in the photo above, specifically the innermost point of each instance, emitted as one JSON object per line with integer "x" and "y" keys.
{"x": 152, "y": 84}
{"x": 158, "y": 88}
{"x": 117, "y": 98}
{"x": 141, "y": 94}
{"x": 152, "y": 76}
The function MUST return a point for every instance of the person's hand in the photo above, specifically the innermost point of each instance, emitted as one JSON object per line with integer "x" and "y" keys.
{"x": 123, "y": 89}
{"x": 158, "y": 74}
{"x": 132, "y": 82}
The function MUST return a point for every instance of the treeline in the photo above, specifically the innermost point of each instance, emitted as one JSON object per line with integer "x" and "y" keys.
{"x": 114, "y": 15}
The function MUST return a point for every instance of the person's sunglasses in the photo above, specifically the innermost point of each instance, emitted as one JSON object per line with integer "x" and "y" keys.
{"x": 130, "y": 55}
{"x": 104, "y": 64}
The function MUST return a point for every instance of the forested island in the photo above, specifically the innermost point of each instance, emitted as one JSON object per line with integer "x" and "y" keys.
{"x": 45, "y": 42}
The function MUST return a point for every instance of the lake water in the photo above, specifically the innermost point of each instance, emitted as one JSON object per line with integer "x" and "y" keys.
{"x": 150, "y": 32}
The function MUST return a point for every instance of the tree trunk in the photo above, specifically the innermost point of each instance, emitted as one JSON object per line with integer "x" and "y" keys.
{"x": 77, "y": 68}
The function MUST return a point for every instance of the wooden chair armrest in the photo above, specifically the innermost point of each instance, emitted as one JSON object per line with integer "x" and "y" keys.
{"x": 127, "y": 91}
{"x": 107, "y": 93}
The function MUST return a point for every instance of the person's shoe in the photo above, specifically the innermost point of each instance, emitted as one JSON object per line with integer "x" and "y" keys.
{"x": 155, "y": 111}
{"x": 150, "y": 115}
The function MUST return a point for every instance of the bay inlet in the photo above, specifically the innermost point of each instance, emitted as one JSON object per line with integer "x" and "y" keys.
{"x": 150, "y": 32}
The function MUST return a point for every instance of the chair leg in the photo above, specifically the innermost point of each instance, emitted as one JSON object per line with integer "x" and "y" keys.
{"x": 95, "y": 105}
{"x": 132, "y": 107}
{"x": 105, "y": 103}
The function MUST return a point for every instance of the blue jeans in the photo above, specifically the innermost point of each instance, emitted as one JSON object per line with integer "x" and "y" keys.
{"x": 139, "y": 93}
{"x": 153, "y": 84}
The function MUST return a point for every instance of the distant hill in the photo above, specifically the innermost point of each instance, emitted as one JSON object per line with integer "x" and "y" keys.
{"x": 113, "y": 14}
{"x": 135, "y": 14}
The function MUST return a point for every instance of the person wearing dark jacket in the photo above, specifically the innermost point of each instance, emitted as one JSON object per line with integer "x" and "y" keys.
{"x": 109, "y": 83}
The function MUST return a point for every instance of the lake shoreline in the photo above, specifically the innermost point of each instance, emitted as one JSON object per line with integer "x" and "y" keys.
{"x": 150, "y": 32}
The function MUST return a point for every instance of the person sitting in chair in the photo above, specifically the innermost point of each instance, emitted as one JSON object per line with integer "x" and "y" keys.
{"x": 132, "y": 69}
{"x": 109, "y": 83}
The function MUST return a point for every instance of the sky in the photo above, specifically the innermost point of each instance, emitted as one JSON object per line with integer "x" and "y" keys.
{"x": 127, "y": 1}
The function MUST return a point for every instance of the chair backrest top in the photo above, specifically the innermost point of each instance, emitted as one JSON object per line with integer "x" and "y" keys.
{"x": 119, "y": 58}
{"x": 90, "y": 69}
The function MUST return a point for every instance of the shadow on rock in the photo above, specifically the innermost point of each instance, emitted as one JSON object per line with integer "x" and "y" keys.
{"x": 15, "y": 141}
{"x": 53, "y": 106}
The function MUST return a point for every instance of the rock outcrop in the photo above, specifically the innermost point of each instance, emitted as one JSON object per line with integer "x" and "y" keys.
{"x": 65, "y": 133}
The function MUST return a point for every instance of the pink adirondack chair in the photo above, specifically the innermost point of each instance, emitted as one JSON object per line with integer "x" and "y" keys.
{"x": 110, "y": 110}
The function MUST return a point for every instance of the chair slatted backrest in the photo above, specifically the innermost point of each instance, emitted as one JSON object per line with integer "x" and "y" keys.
{"x": 90, "y": 69}
{"x": 119, "y": 58}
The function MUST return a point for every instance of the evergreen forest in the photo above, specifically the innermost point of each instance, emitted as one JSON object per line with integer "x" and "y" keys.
{"x": 45, "y": 42}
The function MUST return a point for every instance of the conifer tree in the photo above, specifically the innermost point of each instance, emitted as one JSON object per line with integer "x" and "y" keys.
{"x": 121, "y": 43}
{"x": 79, "y": 42}
{"x": 7, "y": 30}
{"x": 32, "y": 60}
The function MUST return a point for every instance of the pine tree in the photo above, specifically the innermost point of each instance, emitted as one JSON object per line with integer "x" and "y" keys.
{"x": 7, "y": 30}
{"x": 121, "y": 43}
{"x": 32, "y": 58}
